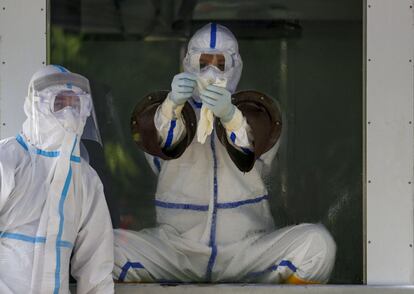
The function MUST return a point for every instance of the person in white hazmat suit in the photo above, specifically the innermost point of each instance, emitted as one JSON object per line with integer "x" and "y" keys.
{"x": 214, "y": 221}
{"x": 52, "y": 207}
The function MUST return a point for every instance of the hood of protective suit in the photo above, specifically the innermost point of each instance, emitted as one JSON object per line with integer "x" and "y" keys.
{"x": 43, "y": 128}
{"x": 215, "y": 39}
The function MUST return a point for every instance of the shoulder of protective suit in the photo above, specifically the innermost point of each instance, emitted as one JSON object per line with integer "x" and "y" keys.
{"x": 11, "y": 150}
{"x": 92, "y": 188}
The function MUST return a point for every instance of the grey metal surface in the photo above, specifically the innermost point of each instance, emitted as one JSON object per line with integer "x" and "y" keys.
{"x": 390, "y": 142}
{"x": 260, "y": 289}
{"x": 22, "y": 52}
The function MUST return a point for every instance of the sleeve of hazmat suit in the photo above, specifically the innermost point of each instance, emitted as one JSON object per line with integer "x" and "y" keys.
{"x": 146, "y": 135}
{"x": 169, "y": 124}
{"x": 92, "y": 260}
{"x": 7, "y": 169}
{"x": 263, "y": 118}
{"x": 239, "y": 133}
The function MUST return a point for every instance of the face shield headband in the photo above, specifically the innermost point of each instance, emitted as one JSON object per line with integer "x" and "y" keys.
{"x": 64, "y": 78}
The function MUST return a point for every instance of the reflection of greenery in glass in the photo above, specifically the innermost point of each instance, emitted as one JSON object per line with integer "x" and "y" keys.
{"x": 65, "y": 47}
{"x": 120, "y": 163}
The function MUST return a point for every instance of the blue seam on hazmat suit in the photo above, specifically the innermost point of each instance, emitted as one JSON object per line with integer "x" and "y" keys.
{"x": 233, "y": 137}
{"x": 246, "y": 150}
{"x": 224, "y": 205}
{"x": 227, "y": 205}
{"x": 186, "y": 206}
{"x": 61, "y": 68}
{"x": 233, "y": 140}
{"x": 157, "y": 163}
{"x": 21, "y": 141}
{"x": 22, "y": 237}
{"x": 137, "y": 265}
{"x": 47, "y": 153}
{"x": 31, "y": 239}
{"x": 196, "y": 104}
{"x": 213, "y": 34}
{"x": 212, "y": 242}
{"x": 273, "y": 268}
{"x": 61, "y": 222}
{"x": 66, "y": 244}
{"x": 75, "y": 158}
{"x": 60, "y": 232}
{"x": 170, "y": 136}
{"x": 127, "y": 266}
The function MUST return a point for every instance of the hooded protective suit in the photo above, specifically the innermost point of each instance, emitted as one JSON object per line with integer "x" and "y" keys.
{"x": 214, "y": 221}
{"x": 52, "y": 207}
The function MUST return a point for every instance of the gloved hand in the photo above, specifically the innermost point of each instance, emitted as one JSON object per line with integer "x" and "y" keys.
{"x": 182, "y": 87}
{"x": 218, "y": 100}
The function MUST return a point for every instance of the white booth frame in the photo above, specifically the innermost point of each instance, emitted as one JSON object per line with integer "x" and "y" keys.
{"x": 389, "y": 145}
{"x": 388, "y": 121}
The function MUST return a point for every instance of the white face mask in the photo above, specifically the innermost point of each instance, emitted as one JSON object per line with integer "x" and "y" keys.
{"x": 209, "y": 76}
{"x": 68, "y": 118}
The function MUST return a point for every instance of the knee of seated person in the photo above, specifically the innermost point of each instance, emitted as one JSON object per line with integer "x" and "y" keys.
{"x": 322, "y": 250}
{"x": 329, "y": 242}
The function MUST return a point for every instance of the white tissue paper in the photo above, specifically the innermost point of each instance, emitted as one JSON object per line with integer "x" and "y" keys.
{"x": 206, "y": 121}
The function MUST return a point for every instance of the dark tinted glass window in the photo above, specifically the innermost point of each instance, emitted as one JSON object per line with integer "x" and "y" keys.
{"x": 307, "y": 54}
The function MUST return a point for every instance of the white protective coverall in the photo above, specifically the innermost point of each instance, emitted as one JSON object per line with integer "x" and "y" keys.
{"x": 52, "y": 206}
{"x": 214, "y": 221}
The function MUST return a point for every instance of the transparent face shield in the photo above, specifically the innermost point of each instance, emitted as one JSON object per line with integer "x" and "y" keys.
{"x": 64, "y": 98}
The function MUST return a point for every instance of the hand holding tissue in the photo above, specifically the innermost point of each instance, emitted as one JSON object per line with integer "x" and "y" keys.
{"x": 216, "y": 102}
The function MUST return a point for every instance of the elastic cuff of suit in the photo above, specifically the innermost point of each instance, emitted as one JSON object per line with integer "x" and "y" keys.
{"x": 171, "y": 110}
{"x": 236, "y": 122}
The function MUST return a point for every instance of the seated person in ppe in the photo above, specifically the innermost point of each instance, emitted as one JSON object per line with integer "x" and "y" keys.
{"x": 214, "y": 221}
{"x": 52, "y": 206}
